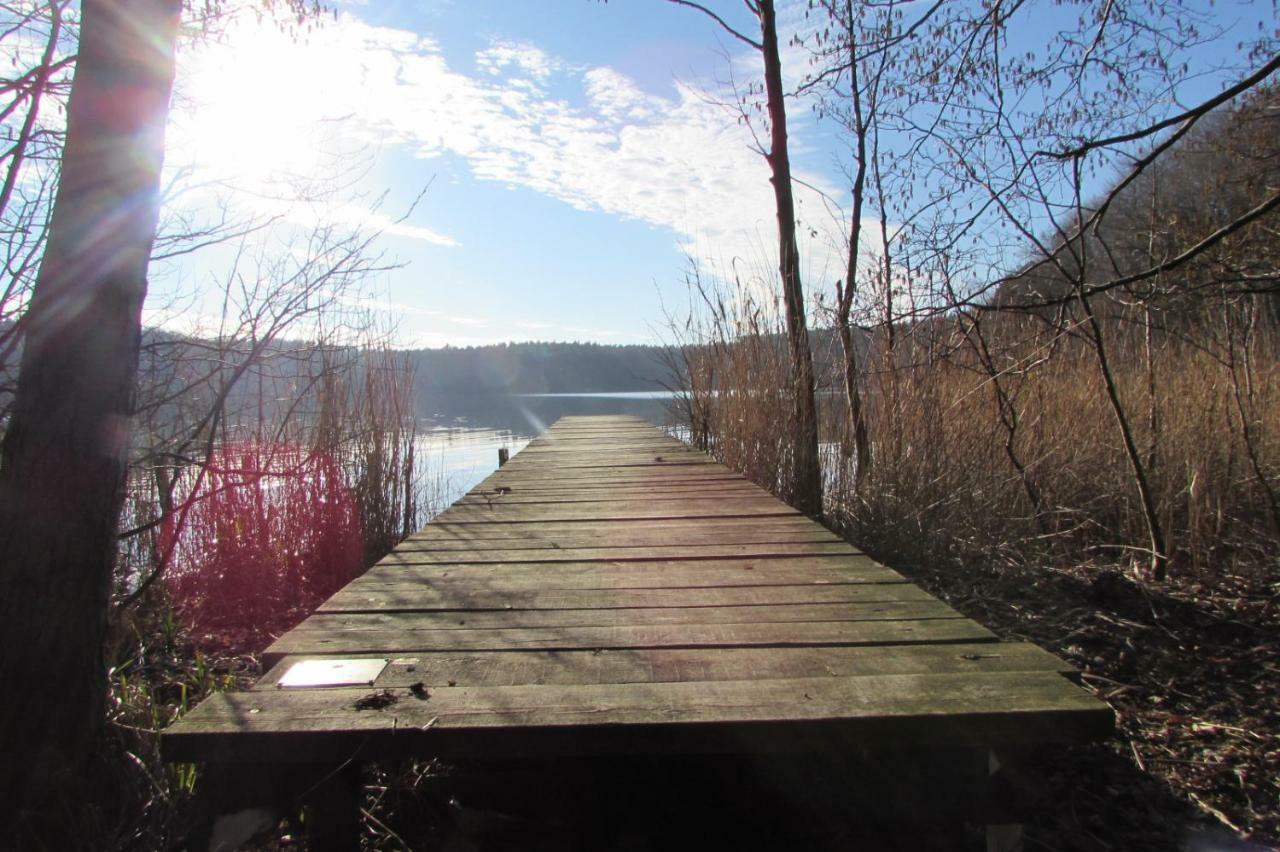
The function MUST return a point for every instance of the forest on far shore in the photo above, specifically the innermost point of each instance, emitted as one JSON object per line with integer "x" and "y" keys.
{"x": 541, "y": 367}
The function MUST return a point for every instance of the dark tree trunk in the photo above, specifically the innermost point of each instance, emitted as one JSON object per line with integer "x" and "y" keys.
{"x": 63, "y": 458}
{"x": 808, "y": 476}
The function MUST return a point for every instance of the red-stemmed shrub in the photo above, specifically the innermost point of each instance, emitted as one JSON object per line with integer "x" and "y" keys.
{"x": 262, "y": 537}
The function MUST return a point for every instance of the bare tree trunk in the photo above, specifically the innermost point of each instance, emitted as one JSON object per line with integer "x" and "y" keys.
{"x": 807, "y": 478}
{"x": 808, "y": 475}
{"x": 64, "y": 453}
{"x": 1159, "y": 554}
{"x": 845, "y": 294}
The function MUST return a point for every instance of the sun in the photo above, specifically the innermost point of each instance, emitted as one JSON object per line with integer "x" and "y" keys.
{"x": 249, "y": 109}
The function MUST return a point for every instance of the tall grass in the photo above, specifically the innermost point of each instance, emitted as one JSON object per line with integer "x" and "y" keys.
{"x": 992, "y": 434}
{"x": 738, "y": 393}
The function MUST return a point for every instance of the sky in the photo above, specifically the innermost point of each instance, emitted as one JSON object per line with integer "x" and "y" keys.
{"x": 538, "y": 170}
{"x": 534, "y": 169}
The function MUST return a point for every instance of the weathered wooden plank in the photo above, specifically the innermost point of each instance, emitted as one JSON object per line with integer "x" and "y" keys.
{"x": 521, "y": 535}
{"x": 536, "y": 485}
{"x": 603, "y": 465}
{"x": 748, "y": 500}
{"x": 321, "y": 623}
{"x": 445, "y": 544}
{"x": 647, "y": 483}
{"x": 605, "y": 576}
{"x": 543, "y": 485}
{"x": 611, "y": 494}
{"x": 614, "y": 497}
{"x": 569, "y": 457}
{"x": 743, "y": 531}
{"x": 402, "y": 569}
{"x": 423, "y": 597}
{"x": 427, "y": 555}
{"x": 599, "y": 449}
{"x": 607, "y": 498}
{"x": 658, "y": 506}
{"x": 726, "y": 529}
{"x": 635, "y": 478}
{"x": 683, "y": 665}
{"x": 849, "y": 565}
{"x": 595, "y": 456}
{"x": 642, "y": 432}
{"x": 467, "y": 587}
{"x": 572, "y": 451}
{"x": 727, "y": 526}
{"x": 558, "y": 460}
{"x": 399, "y": 642}
{"x": 885, "y": 710}
{"x": 638, "y": 510}
{"x": 566, "y": 473}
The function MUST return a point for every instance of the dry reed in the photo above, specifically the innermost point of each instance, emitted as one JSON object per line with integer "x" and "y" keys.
{"x": 952, "y": 479}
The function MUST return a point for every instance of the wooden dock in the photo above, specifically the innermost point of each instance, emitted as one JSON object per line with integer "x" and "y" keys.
{"x": 612, "y": 591}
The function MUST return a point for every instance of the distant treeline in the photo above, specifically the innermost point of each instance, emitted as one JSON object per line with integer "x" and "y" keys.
{"x": 538, "y": 367}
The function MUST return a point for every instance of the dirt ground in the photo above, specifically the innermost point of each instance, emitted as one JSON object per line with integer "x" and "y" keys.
{"x": 1190, "y": 668}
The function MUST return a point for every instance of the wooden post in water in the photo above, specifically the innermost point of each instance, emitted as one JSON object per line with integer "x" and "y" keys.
{"x": 503, "y": 455}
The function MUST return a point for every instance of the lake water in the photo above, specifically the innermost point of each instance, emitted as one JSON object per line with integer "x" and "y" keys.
{"x": 460, "y": 434}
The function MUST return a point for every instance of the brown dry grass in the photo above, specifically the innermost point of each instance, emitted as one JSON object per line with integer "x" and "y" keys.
{"x": 943, "y": 484}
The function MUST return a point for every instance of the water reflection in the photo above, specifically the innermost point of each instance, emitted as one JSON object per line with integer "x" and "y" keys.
{"x": 460, "y": 434}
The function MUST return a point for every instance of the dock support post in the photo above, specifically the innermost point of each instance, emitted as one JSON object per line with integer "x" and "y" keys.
{"x": 1004, "y": 799}
{"x": 504, "y": 455}
{"x": 332, "y": 811}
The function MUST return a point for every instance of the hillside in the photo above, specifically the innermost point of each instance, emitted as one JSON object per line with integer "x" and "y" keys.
{"x": 539, "y": 367}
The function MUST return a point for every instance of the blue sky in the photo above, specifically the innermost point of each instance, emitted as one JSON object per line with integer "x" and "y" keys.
{"x": 571, "y": 152}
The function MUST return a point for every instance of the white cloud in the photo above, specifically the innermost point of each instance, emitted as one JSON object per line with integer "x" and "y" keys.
{"x": 470, "y": 322}
{"x": 601, "y": 144}
{"x": 356, "y": 216}
{"x": 519, "y": 55}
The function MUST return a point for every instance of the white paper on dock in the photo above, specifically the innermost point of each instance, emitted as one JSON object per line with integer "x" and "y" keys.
{"x": 332, "y": 673}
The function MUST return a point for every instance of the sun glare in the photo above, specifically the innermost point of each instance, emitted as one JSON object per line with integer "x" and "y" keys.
{"x": 248, "y": 110}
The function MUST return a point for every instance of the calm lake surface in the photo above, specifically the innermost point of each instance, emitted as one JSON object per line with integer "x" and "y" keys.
{"x": 460, "y": 434}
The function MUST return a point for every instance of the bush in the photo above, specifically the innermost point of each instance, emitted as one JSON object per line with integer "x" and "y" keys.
{"x": 265, "y": 534}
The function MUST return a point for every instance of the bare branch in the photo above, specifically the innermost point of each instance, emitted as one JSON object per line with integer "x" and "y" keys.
{"x": 724, "y": 25}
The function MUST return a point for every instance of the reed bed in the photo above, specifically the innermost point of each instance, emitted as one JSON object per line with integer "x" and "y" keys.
{"x": 953, "y": 475}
